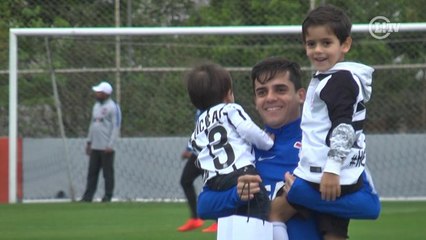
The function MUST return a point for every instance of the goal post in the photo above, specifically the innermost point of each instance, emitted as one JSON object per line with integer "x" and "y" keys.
{"x": 15, "y": 33}
{"x": 13, "y": 63}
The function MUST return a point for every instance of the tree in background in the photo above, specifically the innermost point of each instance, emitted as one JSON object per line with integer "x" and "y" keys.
{"x": 238, "y": 51}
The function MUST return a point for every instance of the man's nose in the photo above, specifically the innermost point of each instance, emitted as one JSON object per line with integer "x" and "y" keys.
{"x": 271, "y": 96}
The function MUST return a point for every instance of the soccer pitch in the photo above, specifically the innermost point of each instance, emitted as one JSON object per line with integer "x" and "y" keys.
{"x": 155, "y": 221}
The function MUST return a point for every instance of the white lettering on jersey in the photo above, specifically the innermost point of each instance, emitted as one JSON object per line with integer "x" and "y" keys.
{"x": 203, "y": 124}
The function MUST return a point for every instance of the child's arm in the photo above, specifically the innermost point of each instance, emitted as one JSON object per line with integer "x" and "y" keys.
{"x": 341, "y": 142}
{"x": 256, "y": 136}
{"x": 248, "y": 130}
{"x": 340, "y": 95}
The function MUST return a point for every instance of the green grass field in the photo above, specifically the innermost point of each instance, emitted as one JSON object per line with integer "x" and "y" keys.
{"x": 155, "y": 221}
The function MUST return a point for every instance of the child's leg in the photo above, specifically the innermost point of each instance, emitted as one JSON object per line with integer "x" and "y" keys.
{"x": 281, "y": 212}
{"x": 332, "y": 227}
{"x": 362, "y": 204}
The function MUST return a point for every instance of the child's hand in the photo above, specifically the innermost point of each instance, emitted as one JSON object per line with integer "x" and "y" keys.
{"x": 330, "y": 186}
{"x": 186, "y": 154}
{"x": 271, "y": 135}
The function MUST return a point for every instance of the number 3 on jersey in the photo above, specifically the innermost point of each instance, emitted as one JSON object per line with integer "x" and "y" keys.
{"x": 219, "y": 131}
{"x": 223, "y": 143}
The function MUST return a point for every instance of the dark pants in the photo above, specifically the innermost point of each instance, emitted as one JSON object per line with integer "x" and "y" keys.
{"x": 99, "y": 159}
{"x": 189, "y": 174}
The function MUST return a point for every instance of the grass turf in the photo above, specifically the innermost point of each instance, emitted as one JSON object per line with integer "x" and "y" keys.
{"x": 152, "y": 221}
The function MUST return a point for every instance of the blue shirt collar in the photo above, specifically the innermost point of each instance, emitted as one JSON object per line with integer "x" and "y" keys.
{"x": 290, "y": 128}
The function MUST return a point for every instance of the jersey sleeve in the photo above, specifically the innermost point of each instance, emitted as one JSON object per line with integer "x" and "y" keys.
{"x": 247, "y": 129}
{"x": 340, "y": 95}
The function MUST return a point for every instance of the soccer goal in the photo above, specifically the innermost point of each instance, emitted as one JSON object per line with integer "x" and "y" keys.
{"x": 51, "y": 72}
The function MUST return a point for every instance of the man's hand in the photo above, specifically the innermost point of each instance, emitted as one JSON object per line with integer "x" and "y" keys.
{"x": 246, "y": 184}
{"x": 289, "y": 180}
{"x": 330, "y": 186}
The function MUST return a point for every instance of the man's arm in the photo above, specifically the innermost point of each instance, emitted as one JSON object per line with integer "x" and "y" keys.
{"x": 361, "y": 204}
{"x": 215, "y": 204}
{"x": 88, "y": 148}
{"x": 116, "y": 125}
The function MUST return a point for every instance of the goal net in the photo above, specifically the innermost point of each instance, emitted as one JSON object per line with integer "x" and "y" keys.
{"x": 52, "y": 72}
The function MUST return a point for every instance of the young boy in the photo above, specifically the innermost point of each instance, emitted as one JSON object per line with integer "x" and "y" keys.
{"x": 224, "y": 134}
{"x": 331, "y": 177}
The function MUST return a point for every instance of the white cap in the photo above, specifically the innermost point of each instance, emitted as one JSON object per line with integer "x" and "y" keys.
{"x": 103, "y": 87}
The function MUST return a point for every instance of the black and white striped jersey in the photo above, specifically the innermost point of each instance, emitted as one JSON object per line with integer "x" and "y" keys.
{"x": 335, "y": 100}
{"x": 223, "y": 138}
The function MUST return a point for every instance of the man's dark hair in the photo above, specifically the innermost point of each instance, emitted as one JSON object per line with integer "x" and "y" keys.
{"x": 207, "y": 85}
{"x": 274, "y": 66}
{"x": 331, "y": 17}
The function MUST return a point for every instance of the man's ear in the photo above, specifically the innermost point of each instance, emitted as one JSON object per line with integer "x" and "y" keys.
{"x": 302, "y": 95}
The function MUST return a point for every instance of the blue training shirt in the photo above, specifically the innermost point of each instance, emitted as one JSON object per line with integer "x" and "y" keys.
{"x": 282, "y": 158}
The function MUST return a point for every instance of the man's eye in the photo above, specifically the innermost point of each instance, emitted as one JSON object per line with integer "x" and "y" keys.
{"x": 261, "y": 93}
{"x": 281, "y": 90}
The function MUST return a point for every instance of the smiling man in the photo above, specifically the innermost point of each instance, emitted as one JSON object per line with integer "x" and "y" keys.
{"x": 278, "y": 96}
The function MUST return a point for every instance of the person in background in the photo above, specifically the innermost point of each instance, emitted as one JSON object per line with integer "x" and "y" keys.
{"x": 103, "y": 133}
{"x": 191, "y": 172}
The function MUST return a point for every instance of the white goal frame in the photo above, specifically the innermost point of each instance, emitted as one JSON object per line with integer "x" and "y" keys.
{"x": 14, "y": 33}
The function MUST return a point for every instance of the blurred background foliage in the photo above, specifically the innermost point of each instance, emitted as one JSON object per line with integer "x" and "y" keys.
{"x": 152, "y": 94}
